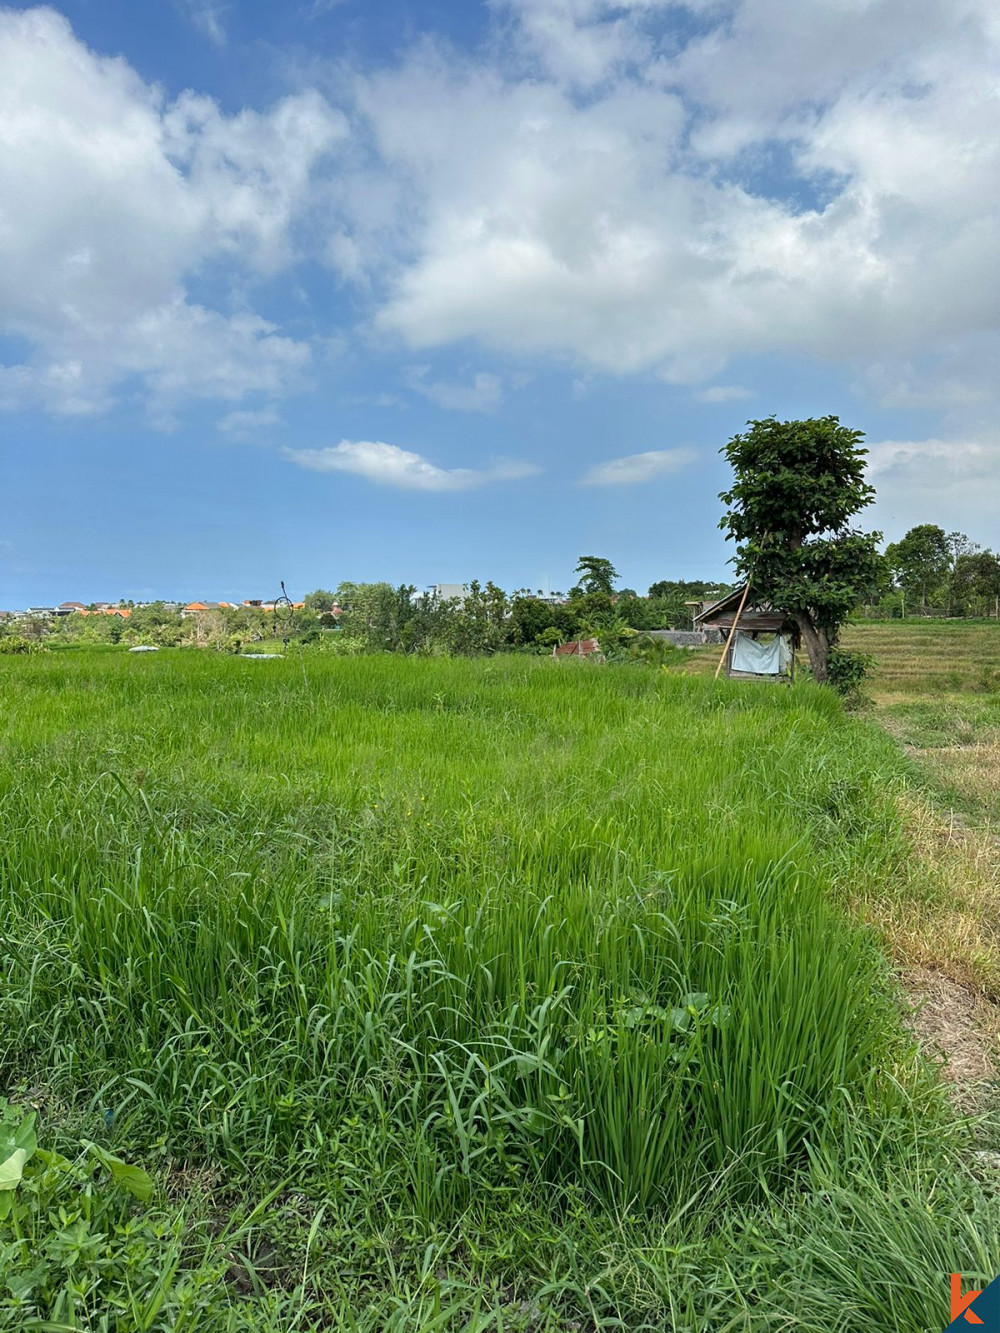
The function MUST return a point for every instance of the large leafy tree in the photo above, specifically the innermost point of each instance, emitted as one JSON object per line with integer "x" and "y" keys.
{"x": 921, "y": 561}
{"x": 796, "y": 487}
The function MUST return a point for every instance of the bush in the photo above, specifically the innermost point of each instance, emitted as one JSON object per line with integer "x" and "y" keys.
{"x": 847, "y": 670}
{"x": 17, "y": 643}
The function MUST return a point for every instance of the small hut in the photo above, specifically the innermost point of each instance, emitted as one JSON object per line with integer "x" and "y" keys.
{"x": 760, "y": 639}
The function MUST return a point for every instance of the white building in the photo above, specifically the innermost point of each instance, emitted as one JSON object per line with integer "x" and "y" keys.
{"x": 448, "y": 592}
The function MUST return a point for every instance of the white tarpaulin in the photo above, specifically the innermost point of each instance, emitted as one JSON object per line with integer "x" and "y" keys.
{"x": 759, "y": 658}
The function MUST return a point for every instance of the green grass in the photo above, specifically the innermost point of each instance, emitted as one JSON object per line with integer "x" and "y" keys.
{"x": 465, "y": 994}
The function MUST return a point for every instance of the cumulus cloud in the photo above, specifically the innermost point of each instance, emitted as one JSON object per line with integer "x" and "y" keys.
{"x": 688, "y": 210}
{"x": 388, "y": 465}
{"x": 483, "y": 394}
{"x": 121, "y": 199}
{"x": 605, "y": 182}
{"x": 638, "y": 467}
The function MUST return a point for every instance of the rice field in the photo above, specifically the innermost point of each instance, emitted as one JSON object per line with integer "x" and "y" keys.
{"x": 921, "y": 657}
{"x": 442, "y": 994}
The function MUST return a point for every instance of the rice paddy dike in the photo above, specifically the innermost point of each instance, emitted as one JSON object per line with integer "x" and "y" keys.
{"x": 462, "y": 995}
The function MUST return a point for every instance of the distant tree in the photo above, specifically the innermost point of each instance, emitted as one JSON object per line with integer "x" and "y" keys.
{"x": 34, "y": 628}
{"x": 920, "y": 561}
{"x": 975, "y": 583}
{"x": 959, "y": 544}
{"x": 796, "y": 486}
{"x": 320, "y": 600}
{"x": 596, "y": 574}
{"x": 529, "y": 619}
{"x": 477, "y": 623}
{"x": 670, "y": 597}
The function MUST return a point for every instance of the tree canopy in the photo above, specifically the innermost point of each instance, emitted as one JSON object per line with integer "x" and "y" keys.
{"x": 796, "y": 487}
{"x": 596, "y": 574}
{"x": 921, "y": 560}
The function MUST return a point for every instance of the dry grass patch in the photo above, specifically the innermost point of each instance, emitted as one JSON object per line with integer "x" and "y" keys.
{"x": 945, "y": 914}
{"x": 930, "y": 657}
{"x": 943, "y": 930}
{"x": 972, "y": 772}
{"x": 952, "y": 1022}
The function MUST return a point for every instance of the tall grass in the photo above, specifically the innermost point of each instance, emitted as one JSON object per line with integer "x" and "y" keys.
{"x": 431, "y": 938}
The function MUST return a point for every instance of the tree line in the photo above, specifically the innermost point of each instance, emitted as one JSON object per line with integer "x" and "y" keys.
{"x": 931, "y": 572}
{"x": 382, "y": 617}
{"x": 797, "y": 488}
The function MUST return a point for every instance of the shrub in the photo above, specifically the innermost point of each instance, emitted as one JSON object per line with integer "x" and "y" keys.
{"x": 848, "y": 670}
{"x": 550, "y": 637}
{"x": 17, "y": 643}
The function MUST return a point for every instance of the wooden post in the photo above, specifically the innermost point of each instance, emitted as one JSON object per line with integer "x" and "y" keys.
{"x": 732, "y": 628}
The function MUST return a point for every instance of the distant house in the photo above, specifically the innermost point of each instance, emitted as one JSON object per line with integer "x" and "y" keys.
{"x": 258, "y": 605}
{"x": 702, "y": 604}
{"x": 450, "y": 592}
{"x": 69, "y": 608}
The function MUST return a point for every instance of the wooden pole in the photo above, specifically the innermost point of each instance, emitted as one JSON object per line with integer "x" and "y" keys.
{"x": 732, "y": 628}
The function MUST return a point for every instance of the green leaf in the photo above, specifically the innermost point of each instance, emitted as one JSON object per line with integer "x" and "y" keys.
{"x": 12, "y": 1169}
{"x": 139, "y": 1183}
{"x": 17, "y": 1135}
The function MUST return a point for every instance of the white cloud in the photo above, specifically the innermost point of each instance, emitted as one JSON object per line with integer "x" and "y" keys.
{"x": 208, "y": 17}
{"x": 389, "y": 465}
{"x": 723, "y": 393}
{"x": 484, "y": 394}
{"x": 690, "y": 209}
{"x": 594, "y": 184}
{"x": 638, "y": 467}
{"x": 952, "y": 481}
{"x": 121, "y": 199}
{"x": 244, "y": 422}
{"x": 582, "y": 42}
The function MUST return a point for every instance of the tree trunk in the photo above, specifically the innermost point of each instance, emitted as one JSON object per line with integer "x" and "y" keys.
{"x": 817, "y": 646}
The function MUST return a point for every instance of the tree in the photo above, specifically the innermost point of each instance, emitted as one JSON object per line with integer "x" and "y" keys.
{"x": 320, "y": 600}
{"x": 529, "y": 619}
{"x": 975, "y": 583}
{"x": 596, "y": 574}
{"x": 797, "y": 485}
{"x": 921, "y": 560}
{"x": 959, "y": 544}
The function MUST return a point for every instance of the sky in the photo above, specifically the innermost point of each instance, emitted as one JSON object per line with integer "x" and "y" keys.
{"x": 433, "y": 290}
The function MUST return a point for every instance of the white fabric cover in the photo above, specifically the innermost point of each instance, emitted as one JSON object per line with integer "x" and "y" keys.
{"x": 761, "y": 659}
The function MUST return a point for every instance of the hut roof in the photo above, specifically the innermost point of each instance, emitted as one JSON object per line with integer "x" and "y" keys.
{"x": 760, "y": 617}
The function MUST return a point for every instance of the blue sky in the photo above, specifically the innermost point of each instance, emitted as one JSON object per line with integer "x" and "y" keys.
{"x": 434, "y": 291}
